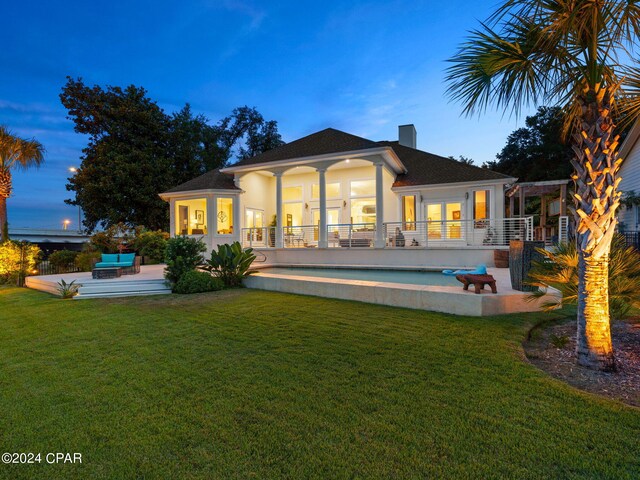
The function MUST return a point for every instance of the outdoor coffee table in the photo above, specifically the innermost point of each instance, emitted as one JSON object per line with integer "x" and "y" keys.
{"x": 111, "y": 272}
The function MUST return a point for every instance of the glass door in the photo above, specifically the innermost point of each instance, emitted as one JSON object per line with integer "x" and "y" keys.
{"x": 333, "y": 218}
{"x": 254, "y": 219}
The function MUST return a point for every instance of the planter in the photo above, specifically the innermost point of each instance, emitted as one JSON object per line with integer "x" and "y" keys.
{"x": 521, "y": 255}
{"x": 501, "y": 258}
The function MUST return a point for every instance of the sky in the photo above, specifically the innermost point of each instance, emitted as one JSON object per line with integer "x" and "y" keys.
{"x": 361, "y": 67}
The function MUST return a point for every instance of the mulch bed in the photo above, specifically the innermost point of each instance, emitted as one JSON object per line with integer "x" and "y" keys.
{"x": 552, "y": 349}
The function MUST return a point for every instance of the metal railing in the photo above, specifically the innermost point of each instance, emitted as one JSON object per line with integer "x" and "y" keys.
{"x": 258, "y": 237}
{"x": 351, "y": 235}
{"x": 489, "y": 232}
{"x": 441, "y": 233}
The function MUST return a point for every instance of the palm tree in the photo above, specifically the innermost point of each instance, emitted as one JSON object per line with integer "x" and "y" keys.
{"x": 15, "y": 153}
{"x": 578, "y": 54}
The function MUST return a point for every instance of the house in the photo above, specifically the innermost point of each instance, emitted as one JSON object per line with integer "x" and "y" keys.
{"x": 629, "y": 218}
{"x": 336, "y": 198}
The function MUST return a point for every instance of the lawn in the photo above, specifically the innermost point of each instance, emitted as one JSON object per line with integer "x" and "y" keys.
{"x": 251, "y": 384}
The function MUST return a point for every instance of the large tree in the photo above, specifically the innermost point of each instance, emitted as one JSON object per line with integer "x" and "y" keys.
{"x": 579, "y": 55}
{"x": 15, "y": 154}
{"x": 536, "y": 151}
{"x": 135, "y": 150}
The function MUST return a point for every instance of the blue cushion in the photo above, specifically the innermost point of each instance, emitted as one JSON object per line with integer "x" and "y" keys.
{"x": 109, "y": 257}
{"x": 127, "y": 258}
{"x": 109, "y": 265}
{"x": 480, "y": 270}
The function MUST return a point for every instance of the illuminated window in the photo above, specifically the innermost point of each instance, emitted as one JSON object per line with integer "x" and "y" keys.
{"x": 409, "y": 212}
{"x": 360, "y": 188}
{"x": 191, "y": 217}
{"x": 480, "y": 208}
{"x": 363, "y": 210}
{"x": 291, "y": 194}
{"x": 224, "y": 214}
{"x": 333, "y": 191}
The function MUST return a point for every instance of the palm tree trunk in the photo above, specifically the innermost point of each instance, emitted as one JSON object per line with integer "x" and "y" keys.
{"x": 594, "y": 348}
{"x": 596, "y": 199}
{"x": 5, "y": 192}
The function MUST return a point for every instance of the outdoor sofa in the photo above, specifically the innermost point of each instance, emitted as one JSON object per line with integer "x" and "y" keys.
{"x": 129, "y": 263}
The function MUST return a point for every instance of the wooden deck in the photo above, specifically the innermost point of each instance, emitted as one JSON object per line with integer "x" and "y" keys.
{"x": 150, "y": 281}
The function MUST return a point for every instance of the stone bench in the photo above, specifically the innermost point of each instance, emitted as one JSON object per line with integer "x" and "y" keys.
{"x": 478, "y": 281}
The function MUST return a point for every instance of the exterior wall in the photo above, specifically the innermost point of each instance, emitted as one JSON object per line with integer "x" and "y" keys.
{"x": 630, "y": 173}
{"x": 259, "y": 193}
{"x": 433, "y": 257}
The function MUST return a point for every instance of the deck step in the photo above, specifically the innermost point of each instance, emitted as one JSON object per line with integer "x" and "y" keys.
{"x": 86, "y": 296}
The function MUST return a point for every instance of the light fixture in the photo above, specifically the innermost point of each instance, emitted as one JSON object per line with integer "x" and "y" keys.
{"x": 348, "y": 160}
{"x": 306, "y": 206}
{"x": 73, "y": 169}
{"x": 344, "y": 203}
{"x": 65, "y": 224}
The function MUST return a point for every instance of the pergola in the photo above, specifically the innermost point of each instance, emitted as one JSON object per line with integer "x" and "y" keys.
{"x": 540, "y": 189}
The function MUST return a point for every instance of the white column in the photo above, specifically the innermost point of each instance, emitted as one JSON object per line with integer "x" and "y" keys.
{"x": 237, "y": 219}
{"x": 279, "y": 243}
{"x": 172, "y": 217}
{"x": 322, "y": 234}
{"x": 379, "y": 242}
{"x": 212, "y": 222}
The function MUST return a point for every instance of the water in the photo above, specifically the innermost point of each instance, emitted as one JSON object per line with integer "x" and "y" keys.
{"x": 411, "y": 277}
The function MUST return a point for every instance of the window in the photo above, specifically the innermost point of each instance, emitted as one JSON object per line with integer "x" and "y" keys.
{"x": 363, "y": 210}
{"x": 254, "y": 220}
{"x": 292, "y": 214}
{"x": 361, "y": 188}
{"x": 333, "y": 191}
{"x": 224, "y": 214}
{"x": 444, "y": 221}
{"x": 480, "y": 208}
{"x": 409, "y": 212}
{"x": 191, "y": 217}
{"x": 291, "y": 194}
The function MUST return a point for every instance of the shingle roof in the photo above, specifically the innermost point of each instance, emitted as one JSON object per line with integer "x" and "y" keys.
{"x": 213, "y": 180}
{"x": 425, "y": 168}
{"x": 325, "y": 141}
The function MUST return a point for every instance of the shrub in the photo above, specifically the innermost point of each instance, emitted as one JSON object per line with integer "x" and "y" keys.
{"x": 151, "y": 244}
{"x": 231, "y": 263}
{"x": 115, "y": 238}
{"x": 559, "y": 269}
{"x": 183, "y": 254}
{"x": 17, "y": 260}
{"x": 63, "y": 259}
{"x": 84, "y": 260}
{"x": 196, "y": 281}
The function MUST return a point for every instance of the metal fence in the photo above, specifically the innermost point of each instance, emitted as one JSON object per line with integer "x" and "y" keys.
{"x": 46, "y": 268}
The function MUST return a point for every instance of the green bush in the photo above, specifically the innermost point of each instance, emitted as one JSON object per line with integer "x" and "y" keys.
{"x": 84, "y": 259}
{"x": 196, "y": 281}
{"x": 231, "y": 263}
{"x": 151, "y": 244}
{"x": 17, "y": 260}
{"x": 183, "y": 254}
{"x": 559, "y": 269}
{"x": 63, "y": 258}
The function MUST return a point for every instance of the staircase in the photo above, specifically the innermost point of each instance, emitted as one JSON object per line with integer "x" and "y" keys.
{"x": 119, "y": 288}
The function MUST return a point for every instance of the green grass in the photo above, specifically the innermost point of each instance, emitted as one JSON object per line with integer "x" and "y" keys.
{"x": 249, "y": 384}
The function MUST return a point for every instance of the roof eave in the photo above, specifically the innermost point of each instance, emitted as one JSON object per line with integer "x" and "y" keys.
{"x": 386, "y": 152}
{"x": 203, "y": 191}
{"x": 471, "y": 183}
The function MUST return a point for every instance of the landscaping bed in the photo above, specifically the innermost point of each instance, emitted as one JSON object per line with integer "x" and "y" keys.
{"x": 552, "y": 349}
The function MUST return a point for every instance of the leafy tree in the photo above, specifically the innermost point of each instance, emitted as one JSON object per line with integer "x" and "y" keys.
{"x": 15, "y": 153}
{"x": 536, "y": 151}
{"x": 462, "y": 159}
{"x": 581, "y": 56}
{"x": 135, "y": 151}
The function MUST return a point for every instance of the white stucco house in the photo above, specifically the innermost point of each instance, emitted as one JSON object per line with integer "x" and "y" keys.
{"x": 336, "y": 198}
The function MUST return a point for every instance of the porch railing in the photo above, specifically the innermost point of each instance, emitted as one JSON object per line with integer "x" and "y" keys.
{"x": 454, "y": 233}
{"x": 489, "y": 232}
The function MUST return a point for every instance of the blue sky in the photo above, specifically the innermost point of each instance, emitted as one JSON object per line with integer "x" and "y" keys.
{"x": 362, "y": 67}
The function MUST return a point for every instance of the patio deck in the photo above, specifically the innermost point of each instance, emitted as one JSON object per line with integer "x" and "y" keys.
{"x": 150, "y": 281}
